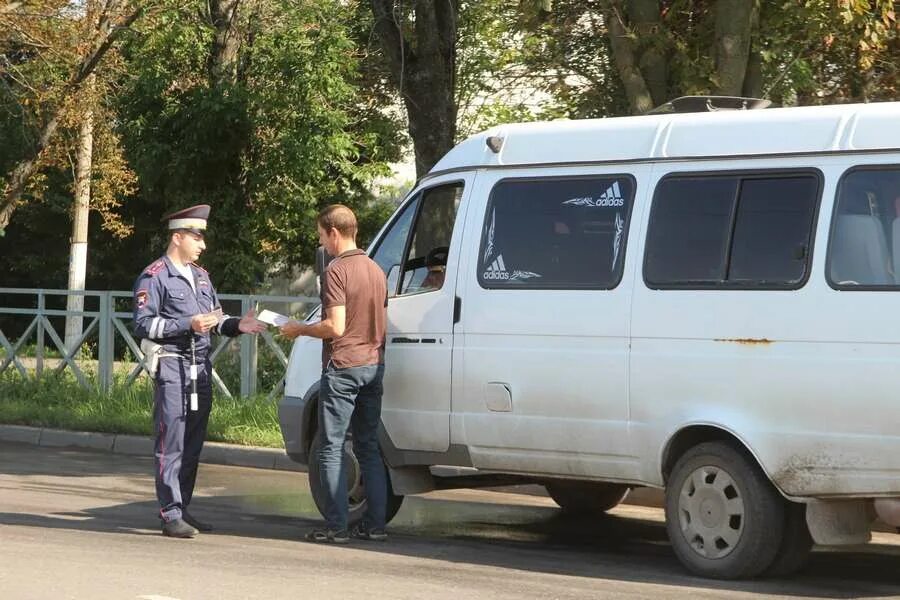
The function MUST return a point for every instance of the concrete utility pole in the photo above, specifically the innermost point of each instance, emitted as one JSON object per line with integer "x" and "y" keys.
{"x": 78, "y": 252}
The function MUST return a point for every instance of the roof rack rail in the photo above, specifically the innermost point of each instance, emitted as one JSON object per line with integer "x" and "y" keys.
{"x": 690, "y": 104}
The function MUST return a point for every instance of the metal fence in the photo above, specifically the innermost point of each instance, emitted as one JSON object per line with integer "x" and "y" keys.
{"x": 106, "y": 321}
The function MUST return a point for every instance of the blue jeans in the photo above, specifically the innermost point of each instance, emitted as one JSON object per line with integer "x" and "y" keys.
{"x": 351, "y": 399}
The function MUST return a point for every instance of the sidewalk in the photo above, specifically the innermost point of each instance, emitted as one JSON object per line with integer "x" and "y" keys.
{"x": 213, "y": 452}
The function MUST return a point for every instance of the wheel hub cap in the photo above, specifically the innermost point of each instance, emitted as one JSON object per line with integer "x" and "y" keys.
{"x": 711, "y": 512}
{"x": 355, "y": 490}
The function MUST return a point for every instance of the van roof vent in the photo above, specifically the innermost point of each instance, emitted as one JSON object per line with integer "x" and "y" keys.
{"x": 691, "y": 104}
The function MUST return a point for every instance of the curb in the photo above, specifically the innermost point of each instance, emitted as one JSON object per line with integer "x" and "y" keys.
{"x": 216, "y": 453}
{"x": 213, "y": 452}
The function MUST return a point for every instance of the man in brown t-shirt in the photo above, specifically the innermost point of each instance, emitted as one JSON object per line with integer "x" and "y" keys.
{"x": 354, "y": 300}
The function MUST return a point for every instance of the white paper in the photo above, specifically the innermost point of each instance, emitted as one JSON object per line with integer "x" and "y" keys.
{"x": 272, "y": 318}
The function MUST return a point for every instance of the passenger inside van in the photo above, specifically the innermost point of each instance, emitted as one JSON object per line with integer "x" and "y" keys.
{"x": 436, "y": 263}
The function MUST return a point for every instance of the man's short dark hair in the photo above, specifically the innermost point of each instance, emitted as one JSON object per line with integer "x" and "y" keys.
{"x": 339, "y": 217}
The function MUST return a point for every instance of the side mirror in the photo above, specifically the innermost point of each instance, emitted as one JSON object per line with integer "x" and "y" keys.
{"x": 322, "y": 260}
{"x": 392, "y": 277}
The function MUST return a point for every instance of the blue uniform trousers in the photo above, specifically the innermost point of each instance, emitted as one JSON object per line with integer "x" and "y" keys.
{"x": 180, "y": 432}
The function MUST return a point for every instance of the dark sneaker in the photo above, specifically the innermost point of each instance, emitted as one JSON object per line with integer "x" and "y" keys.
{"x": 199, "y": 525}
{"x": 178, "y": 529}
{"x": 328, "y": 536}
{"x": 360, "y": 532}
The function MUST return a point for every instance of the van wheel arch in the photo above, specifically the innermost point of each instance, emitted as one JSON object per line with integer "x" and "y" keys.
{"x": 310, "y": 420}
{"x": 694, "y": 435}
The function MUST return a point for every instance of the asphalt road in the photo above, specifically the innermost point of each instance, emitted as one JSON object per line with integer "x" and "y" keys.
{"x": 80, "y": 524}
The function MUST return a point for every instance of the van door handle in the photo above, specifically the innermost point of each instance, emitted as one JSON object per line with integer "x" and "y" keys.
{"x": 405, "y": 340}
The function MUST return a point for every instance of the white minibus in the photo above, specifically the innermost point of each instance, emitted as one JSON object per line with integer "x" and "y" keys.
{"x": 701, "y": 302}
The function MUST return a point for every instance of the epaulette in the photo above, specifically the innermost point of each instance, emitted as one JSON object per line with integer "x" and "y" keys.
{"x": 155, "y": 268}
{"x": 199, "y": 268}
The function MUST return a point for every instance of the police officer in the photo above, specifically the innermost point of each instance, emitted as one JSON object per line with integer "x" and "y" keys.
{"x": 175, "y": 309}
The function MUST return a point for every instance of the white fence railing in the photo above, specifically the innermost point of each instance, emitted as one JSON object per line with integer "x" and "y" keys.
{"x": 107, "y": 321}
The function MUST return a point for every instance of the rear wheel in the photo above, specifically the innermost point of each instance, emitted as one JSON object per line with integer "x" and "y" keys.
{"x": 356, "y": 490}
{"x": 796, "y": 544}
{"x": 578, "y": 497}
{"x": 725, "y": 519}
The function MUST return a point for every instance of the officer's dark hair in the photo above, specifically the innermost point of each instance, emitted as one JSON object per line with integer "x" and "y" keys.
{"x": 339, "y": 217}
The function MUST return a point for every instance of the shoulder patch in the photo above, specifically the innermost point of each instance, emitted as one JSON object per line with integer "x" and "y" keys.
{"x": 155, "y": 268}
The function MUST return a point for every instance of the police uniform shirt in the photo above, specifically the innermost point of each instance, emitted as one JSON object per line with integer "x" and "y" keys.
{"x": 165, "y": 302}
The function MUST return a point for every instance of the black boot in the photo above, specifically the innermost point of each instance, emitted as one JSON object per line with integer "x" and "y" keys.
{"x": 178, "y": 529}
{"x": 200, "y": 525}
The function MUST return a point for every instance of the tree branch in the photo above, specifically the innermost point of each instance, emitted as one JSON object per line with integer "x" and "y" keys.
{"x": 109, "y": 30}
{"x": 394, "y": 44}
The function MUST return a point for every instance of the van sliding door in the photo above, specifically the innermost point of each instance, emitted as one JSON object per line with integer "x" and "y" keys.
{"x": 540, "y": 381}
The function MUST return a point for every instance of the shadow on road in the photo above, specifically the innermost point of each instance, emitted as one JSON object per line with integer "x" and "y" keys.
{"x": 534, "y": 539}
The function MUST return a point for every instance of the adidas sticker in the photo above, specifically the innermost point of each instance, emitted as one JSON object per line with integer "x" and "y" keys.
{"x": 496, "y": 270}
{"x": 611, "y": 197}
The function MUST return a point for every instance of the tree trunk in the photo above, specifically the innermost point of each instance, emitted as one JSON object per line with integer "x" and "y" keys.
{"x": 624, "y": 55}
{"x": 78, "y": 252}
{"x": 423, "y": 69}
{"x": 653, "y": 63}
{"x": 732, "y": 45}
{"x": 753, "y": 84}
{"x": 223, "y": 59}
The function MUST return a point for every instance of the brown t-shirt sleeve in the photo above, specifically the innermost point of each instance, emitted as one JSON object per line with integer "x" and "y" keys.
{"x": 334, "y": 292}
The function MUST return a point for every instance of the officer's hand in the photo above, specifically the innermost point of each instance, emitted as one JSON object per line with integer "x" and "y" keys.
{"x": 291, "y": 329}
{"x": 203, "y": 322}
{"x": 250, "y": 324}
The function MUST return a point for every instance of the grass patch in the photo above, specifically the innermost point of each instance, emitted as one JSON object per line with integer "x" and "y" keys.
{"x": 60, "y": 402}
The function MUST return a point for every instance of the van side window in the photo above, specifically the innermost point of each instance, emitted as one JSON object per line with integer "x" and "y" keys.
{"x": 737, "y": 230}
{"x": 429, "y": 246}
{"x": 556, "y": 233}
{"x": 864, "y": 248}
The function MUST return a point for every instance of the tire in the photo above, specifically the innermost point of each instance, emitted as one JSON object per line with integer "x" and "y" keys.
{"x": 577, "y": 497}
{"x": 796, "y": 544}
{"x": 356, "y": 488}
{"x": 724, "y": 519}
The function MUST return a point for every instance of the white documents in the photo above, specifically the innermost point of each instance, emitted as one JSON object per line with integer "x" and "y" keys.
{"x": 272, "y": 318}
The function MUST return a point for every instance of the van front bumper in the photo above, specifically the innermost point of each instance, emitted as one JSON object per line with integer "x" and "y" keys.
{"x": 292, "y": 417}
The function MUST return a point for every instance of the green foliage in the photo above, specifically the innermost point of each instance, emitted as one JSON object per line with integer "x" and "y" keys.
{"x": 300, "y": 126}
{"x": 499, "y": 69}
{"x": 266, "y": 150}
{"x": 811, "y": 51}
{"x": 310, "y": 116}
{"x": 829, "y": 51}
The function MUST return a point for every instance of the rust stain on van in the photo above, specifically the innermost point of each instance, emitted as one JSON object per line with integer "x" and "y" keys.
{"x": 819, "y": 473}
{"x": 747, "y": 341}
